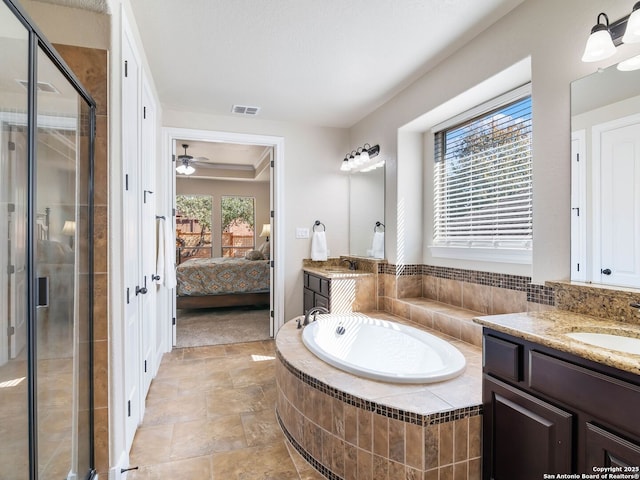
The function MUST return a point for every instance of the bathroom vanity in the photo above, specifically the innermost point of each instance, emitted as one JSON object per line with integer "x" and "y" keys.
{"x": 555, "y": 405}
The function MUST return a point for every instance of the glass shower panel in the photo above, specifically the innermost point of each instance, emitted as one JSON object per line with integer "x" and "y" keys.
{"x": 14, "y": 419}
{"x": 62, "y": 271}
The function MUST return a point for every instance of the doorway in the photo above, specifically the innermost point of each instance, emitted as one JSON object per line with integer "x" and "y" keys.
{"x": 233, "y": 233}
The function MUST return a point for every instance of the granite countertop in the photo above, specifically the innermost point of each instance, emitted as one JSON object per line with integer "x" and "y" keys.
{"x": 549, "y": 328}
{"x": 335, "y": 272}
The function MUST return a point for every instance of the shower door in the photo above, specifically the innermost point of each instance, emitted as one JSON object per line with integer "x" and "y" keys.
{"x": 46, "y": 275}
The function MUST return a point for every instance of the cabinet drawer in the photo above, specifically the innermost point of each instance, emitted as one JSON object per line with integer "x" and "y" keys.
{"x": 502, "y": 358}
{"x": 586, "y": 390}
{"x": 324, "y": 286}
{"x": 313, "y": 283}
{"x": 321, "y": 301}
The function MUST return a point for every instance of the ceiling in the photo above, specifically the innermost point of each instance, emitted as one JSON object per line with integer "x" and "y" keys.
{"x": 317, "y": 62}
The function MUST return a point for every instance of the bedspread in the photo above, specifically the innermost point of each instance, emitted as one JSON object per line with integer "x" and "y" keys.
{"x": 221, "y": 276}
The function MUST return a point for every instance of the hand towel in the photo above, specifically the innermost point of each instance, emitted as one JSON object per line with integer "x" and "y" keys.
{"x": 377, "y": 246}
{"x": 319, "y": 246}
{"x": 165, "y": 260}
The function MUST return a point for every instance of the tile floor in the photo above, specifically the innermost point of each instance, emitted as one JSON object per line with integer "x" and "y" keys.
{"x": 210, "y": 415}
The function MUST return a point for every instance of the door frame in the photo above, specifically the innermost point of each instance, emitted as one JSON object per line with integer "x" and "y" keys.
{"x": 169, "y": 137}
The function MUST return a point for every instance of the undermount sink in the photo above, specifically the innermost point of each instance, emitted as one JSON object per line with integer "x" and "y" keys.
{"x": 606, "y": 340}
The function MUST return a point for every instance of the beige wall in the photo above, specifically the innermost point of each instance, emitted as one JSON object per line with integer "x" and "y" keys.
{"x": 553, "y": 34}
{"x": 219, "y": 188}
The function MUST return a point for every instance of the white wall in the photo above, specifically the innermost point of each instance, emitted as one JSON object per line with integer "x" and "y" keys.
{"x": 314, "y": 186}
{"x": 553, "y": 34}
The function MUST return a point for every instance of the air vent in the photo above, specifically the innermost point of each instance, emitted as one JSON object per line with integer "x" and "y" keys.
{"x": 245, "y": 110}
{"x": 42, "y": 86}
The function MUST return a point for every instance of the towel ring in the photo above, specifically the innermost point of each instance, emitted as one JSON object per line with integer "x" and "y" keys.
{"x": 317, "y": 223}
{"x": 378, "y": 224}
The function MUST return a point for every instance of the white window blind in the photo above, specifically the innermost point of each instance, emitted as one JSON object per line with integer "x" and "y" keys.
{"x": 483, "y": 182}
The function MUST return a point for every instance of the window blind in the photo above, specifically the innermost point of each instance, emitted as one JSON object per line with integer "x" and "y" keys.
{"x": 483, "y": 180}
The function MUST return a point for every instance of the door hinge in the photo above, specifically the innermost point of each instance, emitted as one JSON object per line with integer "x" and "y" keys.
{"x": 126, "y": 68}
{"x": 11, "y": 207}
{"x": 173, "y": 321}
{"x": 271, "y": 313}
{"x": 11, "y": 330}
{"x": 127, "y": 295}
{"x": 272, "y": 163}
{"x": 271, "y": 264}
{"x": 12, "y": 146}
{"x": 173, "y": 158}
{"x": 271, "y": 213}
{"x": 173, "y": 212}
{"x": 128, "y": 408}
{"x": 11, "y": 269}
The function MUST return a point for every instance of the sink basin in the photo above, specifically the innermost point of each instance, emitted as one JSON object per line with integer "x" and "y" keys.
{"x": 606, "y": 340}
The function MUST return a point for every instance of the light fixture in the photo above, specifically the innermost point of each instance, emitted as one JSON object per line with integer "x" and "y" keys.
{"x": 185, "y": 167}
{"x": 632, "y": 32}
{"x": 605, "y": 37}
{"x": 630, "y": 64}
{"x": 600, "y": 43}
{"x": 360, "y": 159}
{"x": 266, "y": 230}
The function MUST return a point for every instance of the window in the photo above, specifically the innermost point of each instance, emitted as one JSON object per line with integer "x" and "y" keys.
{"x": 238, "y": 226}
{"x": 483, "y": 182}
{"x": 193, "y": 226}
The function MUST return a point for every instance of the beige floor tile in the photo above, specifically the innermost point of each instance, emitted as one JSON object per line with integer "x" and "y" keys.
{"x": 179, "y": 409}
{"x": 192, "y": 439}
{"x": 261, "y": 428}
{"x": 222, "y": 401}
{"x": 210, "y": 351}
{"x": 190, "y": 468}
{"x": 271, "y": 462}
{"x": 260, "y": 372}
{"x": 151, "y": 445}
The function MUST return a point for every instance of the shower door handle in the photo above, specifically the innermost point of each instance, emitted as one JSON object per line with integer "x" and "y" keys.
{"x": 42, "y": 293}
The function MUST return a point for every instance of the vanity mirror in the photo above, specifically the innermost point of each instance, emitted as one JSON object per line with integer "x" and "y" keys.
{"x": 366, "y": 207}
{"x": 605, "y": 178}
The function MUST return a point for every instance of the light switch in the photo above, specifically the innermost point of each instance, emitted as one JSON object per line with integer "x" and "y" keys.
{"x": 302, "y": 232}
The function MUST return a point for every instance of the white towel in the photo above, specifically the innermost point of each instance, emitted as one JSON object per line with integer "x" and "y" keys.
{"x": 165, "y": 260}
{"x": 377, "y": 246}
{"x": 319, "y": 246}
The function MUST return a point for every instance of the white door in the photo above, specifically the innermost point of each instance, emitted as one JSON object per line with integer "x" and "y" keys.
{"x": 619, "y": 216}
{"x": 578, "y": 207}
{"x": 131, "y": 236}
{"x": 148, "y": 241}
{"x": 18, "y": 232}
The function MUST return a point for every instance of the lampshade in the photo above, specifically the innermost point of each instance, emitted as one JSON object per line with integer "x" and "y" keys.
{"x": 345, "y": 164}
{"x": 599, "y": 44}
{"x": 632, "y": 32}
{"x": 266, "y": 230}
{"x": 69, "y": 228}
{"x": 630, "y": 64}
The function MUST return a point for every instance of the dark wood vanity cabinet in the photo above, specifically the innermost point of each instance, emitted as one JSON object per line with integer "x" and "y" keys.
{"x": 317, "y": 292}
{"x": 550, "y": 412}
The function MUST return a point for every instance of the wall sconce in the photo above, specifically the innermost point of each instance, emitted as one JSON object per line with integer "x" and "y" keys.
{"x": 360, "y": 159}
{"x": 604, "y": 38}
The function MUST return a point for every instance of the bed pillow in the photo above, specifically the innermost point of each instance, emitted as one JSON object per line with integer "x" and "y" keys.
{"x": 254, "y": 255}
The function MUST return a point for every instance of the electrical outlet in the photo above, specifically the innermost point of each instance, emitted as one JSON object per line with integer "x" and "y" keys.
{"x": 302, "y": 232}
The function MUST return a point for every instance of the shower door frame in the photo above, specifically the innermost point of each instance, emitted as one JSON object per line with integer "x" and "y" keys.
{"x": 38, "y": 41}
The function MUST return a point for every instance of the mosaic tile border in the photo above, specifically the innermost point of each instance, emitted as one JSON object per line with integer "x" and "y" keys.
{"x": 370, "y": 406}
{"x": 327, "y": 473}
{"x": 535, "y": 293}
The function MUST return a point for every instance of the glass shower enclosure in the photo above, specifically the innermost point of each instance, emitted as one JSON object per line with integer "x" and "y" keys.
{"x": 46, "y": 276}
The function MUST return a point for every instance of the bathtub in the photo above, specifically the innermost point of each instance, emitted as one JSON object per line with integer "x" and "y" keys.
{"x": 381, "y": 349}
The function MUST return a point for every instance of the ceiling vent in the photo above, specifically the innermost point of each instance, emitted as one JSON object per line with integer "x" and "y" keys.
{"x": 42, "y": 86}
{"x": 245, "y": 110}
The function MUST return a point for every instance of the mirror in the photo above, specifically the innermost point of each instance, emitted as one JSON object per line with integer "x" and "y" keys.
{"x": 366, "y": 207}
{"x": 605, "y": 178}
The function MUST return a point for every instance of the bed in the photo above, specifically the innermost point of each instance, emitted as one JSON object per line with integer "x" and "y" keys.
{"x": 222, "y": 282}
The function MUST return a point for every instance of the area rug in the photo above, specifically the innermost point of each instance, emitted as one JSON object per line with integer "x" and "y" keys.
{"x": 219, "y": 326}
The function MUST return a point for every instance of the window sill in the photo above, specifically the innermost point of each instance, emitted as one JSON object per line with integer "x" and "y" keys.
{"x": 503, "y": 255}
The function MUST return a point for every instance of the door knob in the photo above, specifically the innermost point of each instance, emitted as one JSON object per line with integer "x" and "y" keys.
{"x": 606, "y": 271}
{"x": 142, "y": 290}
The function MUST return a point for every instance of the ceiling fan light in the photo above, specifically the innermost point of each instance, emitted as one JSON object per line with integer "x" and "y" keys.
{"x": 188, "y": 169}
{"x": 181, "y": 169}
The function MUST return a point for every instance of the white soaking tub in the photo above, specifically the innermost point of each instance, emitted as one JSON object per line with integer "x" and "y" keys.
{"x": 382, "y": 350}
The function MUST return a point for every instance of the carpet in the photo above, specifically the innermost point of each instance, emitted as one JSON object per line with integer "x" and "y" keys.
{"x": 218, "y": 326}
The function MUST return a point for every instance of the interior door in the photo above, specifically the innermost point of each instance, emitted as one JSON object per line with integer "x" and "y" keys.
{"x": 131, "y": 234}
{"x": 619, "y": 156}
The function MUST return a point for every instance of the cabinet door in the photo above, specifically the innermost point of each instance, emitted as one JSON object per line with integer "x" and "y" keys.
{"x": 308, "y": 300}
{"x": 320, "y": 301}
{"x": 524, "y": 437}
{"x": 605, "y": 449}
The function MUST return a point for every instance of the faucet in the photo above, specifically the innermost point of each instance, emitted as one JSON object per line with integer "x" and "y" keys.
{"x": 312, "y": 311}
{"x": 352, "y": 263}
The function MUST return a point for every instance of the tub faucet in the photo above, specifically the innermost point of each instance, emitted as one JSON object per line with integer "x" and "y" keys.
{"x": 352, "y": 263}
{"x": 312, "y": 311}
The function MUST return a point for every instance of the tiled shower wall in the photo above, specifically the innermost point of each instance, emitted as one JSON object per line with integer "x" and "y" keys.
{"x": 90, "y": 67}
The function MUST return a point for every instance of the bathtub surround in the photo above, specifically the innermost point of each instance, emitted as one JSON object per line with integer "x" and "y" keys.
{"x": 352, "y": 428}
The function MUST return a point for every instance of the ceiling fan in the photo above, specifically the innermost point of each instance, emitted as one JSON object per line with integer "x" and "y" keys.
{"x": 185, "y": 162}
